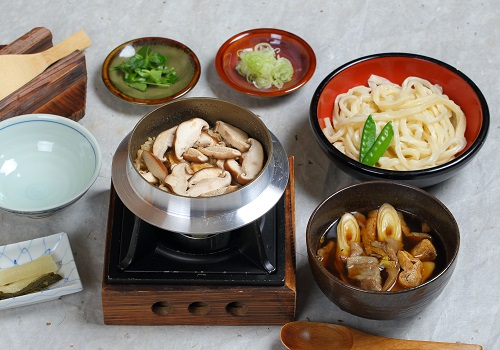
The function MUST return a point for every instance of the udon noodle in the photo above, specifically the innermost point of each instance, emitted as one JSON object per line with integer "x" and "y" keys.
{"x": 428, "y": 127}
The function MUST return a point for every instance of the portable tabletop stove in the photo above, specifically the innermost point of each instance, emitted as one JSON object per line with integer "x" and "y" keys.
{"x": 244, "y": 276}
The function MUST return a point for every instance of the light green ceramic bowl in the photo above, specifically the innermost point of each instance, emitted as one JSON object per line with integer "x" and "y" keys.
{"x": 47, "y": 162}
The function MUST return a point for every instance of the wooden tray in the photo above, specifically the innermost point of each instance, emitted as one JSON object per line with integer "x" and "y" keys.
{"x": 61, "y": 89}
{"x": 134, "y": 304}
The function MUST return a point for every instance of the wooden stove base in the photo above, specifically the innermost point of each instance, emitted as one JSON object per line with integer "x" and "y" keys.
{"x": 134, "y": 304}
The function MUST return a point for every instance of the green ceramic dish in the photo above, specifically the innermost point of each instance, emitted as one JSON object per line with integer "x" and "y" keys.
{"x": 180, "y": 57}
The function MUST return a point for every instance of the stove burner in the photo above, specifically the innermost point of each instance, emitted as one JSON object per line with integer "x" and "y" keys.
{"x": 250, "y": 255}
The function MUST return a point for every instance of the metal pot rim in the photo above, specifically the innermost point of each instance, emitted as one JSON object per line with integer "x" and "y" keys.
{"x": 203, "y": 223}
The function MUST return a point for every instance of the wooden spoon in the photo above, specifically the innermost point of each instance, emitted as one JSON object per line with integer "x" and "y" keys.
{"x": 17, "y": 70}
{"x": 318, "y": 336}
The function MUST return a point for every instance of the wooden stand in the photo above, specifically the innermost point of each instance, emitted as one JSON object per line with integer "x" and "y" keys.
{"x": 61, "y": 89}
{"x": 134, "y": 304}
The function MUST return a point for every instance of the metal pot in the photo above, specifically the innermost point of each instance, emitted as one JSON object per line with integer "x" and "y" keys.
{"x": 201, "y": 216}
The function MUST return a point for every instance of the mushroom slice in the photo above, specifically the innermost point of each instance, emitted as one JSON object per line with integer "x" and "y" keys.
{"x": 388, "y": 223}
{"x": 149, "y": 177}
{"x": 187, "y": 134}
{"x": 205, "y": 140}
{"x": 220, "y": 152}
{"x": 194, "y": 155}
{"x": 198, "y": 166}
{"x": 233, "y": 167}
{"x": 393, "y": 246}
{"x": 177, "y": 180}
{"x": 233, "y": 136}
{"x": 392, "y": 277}
{"x": 172, "y": 160}
{"x": 253, "y": 162}
{"x": 206, "y": 173}
{"x": 221, "y": 191}
{"x": 210, "y": 184}
{"x": 416, "y": 237}
{"x": 154, "y": 165}
{"x": 163, "y": 142}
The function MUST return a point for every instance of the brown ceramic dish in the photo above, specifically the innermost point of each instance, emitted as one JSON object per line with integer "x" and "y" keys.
{"x": 396, "y": 67}
{"x": 180, "y": 57}
{"x": 365, "y": 196}
{"x": 291, "y": 47}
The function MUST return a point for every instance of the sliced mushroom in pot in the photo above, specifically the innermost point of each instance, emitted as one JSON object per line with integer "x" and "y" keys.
{"x": 163, "y": 142}
{"x": 154, "y": 165}
{"x": 195, "y": 156}
{"x": 177, "y": 180}
{"x": 253, "y": 162}
{"x": 209, "y": 184}
{"x": 205, "y": 152}
{"x": 207, "y": 173}
{"x": 233, "y": 136}
{"x": 187, "y": 134}
{"x": 220, "y": 152}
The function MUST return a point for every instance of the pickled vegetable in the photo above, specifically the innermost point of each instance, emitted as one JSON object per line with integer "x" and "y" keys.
{"x": 43, "y": 265}
{"x": 29, "y": 285}
{"x": 28, "y": 278}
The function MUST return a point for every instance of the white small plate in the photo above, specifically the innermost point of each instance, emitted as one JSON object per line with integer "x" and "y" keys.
{"x": 58, "y": 247}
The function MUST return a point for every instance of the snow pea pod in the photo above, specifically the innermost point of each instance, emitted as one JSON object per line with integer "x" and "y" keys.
{"x": 380, "y": 145}
{"x": 367, "y": 137}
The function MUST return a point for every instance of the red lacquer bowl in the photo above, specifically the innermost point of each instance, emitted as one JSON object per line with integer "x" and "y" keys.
{"x": 291, "y": 47}
{"x": 396, "y": 67}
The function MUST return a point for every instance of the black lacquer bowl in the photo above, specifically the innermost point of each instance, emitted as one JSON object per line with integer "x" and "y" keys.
{"x": 366, "y": 196}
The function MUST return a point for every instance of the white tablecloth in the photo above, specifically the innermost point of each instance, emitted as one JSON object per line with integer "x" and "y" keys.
{"x": 464, "y": 34}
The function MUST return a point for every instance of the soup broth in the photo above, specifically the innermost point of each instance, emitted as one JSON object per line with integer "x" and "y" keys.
{"x": 328, "y": 255}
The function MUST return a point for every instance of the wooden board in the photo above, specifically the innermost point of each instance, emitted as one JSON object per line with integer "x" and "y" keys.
{"x": 133, "y": 304}
{"x": 61, "y": 89}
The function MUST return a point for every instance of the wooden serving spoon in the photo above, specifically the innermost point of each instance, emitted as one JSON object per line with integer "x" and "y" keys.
{"x": 17, "y": 70}
{"x": 318, "y": 336}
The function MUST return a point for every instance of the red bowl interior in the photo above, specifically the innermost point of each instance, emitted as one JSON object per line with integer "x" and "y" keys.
{"x": 291, "y": 47}
{"x": 397, "y": 69}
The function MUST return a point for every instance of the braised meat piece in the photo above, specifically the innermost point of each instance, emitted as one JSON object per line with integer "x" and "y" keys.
{"x": 365, "y": 271}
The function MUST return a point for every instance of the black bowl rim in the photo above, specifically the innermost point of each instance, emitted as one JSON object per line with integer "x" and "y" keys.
{"x": 353, "y": 164}
{"x": 449, "y": 265}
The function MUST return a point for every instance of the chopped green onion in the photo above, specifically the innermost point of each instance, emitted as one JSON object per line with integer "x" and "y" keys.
{"x": 263, "y": 67}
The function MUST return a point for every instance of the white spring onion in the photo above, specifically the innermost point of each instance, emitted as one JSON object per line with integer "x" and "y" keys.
{"x": 347, "y": 231}
{"x": 388, "y": 223}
